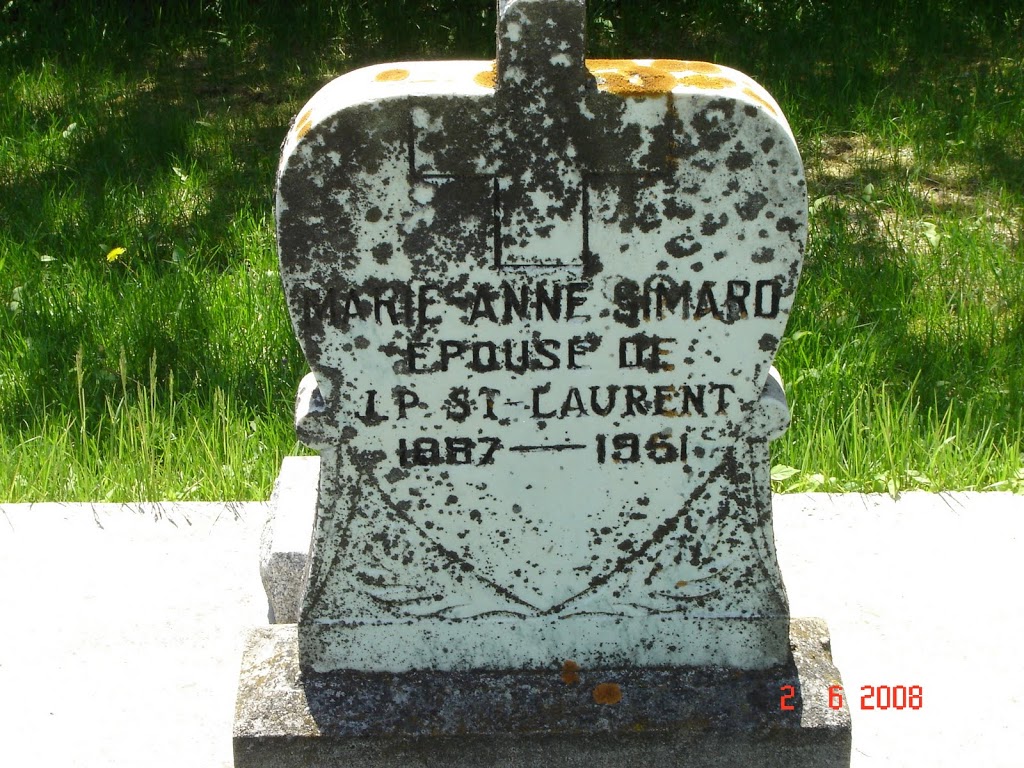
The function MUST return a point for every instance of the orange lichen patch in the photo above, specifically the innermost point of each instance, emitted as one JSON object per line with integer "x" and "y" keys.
{"x": 682, "y": 583}
{"x": 704, "y": 67}
{"x": 488, "y": 78}
{"x": 671, "y": 65}
{"x": 681, "y": 65}
{"x": 709, "y": 82}
{"x": 392, "y": 75}
{"x": 303, "y": 124}
{"x": 756, "y": 97}
{"x": 630, "y": 78}
{"x": 570, "y": 672}
{"x": 608, "y": 693}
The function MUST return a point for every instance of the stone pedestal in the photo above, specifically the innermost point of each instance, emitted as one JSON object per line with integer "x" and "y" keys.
{"x": 569, "y": 717}
{"x": 284, "y": 546}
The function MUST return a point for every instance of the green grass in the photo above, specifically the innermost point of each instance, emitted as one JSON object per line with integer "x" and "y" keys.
{"x": 168, "y": 371}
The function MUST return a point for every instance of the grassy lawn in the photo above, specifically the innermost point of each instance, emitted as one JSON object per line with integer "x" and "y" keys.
{"x": 167, "y": 370}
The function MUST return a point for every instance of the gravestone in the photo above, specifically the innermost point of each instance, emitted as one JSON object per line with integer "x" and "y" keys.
{"x": 540, "y": 298}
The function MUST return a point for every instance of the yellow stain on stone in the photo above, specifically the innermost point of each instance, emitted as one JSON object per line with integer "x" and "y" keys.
{"x": 760, "y": 100}
{"x": 392, "y": 75}
{"x": 607, "y": 693}
{"x": 630, "y": 78}
{"x": 488, "y": 78}
{"x": 570, "y": 672}
{"x": 303, "y": 124}
{"x": 702, "y": 67}
{"x": 671, "y": 65}
{"x": 707, "y": 82}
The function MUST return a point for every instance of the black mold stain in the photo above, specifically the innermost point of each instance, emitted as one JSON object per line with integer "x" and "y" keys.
{"x": 787, "y": 224}
{"x": 738, "y": 159}
{"x": 713, "y": 124}
{"x": 592, "y": 265}
{"x": 677, "y": 210}
{"x": 751, "y": 207}
{"x": 676, "y": 248}
{"x": 382, "y": 252}
{"x": 710, "y": 225}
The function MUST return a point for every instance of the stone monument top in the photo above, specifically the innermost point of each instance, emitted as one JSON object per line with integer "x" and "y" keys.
{"x": 540, "y": 298}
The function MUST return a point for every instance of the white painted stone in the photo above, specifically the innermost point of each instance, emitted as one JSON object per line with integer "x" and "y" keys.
{"x": 540, "y": 319}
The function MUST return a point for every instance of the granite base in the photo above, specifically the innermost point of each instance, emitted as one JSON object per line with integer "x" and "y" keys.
{"x": 692, "y": 717}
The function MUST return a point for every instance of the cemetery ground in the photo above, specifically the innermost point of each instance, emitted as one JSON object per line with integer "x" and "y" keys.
{"x": 127, "y": 653}
{"x": 146, "y": 352}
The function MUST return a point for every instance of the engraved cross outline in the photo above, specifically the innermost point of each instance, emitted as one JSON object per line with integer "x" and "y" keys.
{"x": 499, "y": 260}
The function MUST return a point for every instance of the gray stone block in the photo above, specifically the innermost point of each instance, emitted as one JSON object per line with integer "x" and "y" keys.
{"x": 697, "y": 717}
{"x": 284, "y": 546}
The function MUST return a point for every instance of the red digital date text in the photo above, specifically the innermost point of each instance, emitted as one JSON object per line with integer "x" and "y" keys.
{"x": 873, "y": 697}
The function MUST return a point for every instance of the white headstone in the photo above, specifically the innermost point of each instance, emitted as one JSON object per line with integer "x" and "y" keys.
{"x": 540, "y": 298}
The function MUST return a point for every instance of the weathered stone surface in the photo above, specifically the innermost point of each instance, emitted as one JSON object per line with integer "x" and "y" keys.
{"x": 284, "y": 546}
{"x": 540, "y": 299}
{"x": 560, "y": 716}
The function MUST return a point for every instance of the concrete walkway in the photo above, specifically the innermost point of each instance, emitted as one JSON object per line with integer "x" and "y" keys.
{"x": 122, "y": 625}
